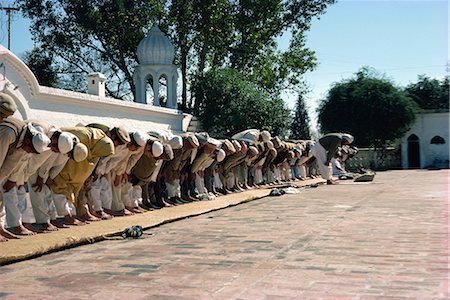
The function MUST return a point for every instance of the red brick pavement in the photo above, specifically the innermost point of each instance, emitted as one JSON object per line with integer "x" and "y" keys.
{"x": 383, "y": 240}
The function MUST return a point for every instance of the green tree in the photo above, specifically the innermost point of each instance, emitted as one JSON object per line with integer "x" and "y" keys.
{"x": 102, "y": 35}
{"x": 43, "y": 67}
{"x": 430, "y": 93}
{"x": 232, "y": 104}
{"x": 369, "y": 107}
{"x": 92, "y": 35}
{"x": 300, "y": 124}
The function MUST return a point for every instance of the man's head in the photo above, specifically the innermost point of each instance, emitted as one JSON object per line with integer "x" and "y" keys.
{"x": 190, "y": 142}
{"x": 167, "y": 153}
{"x": 347, "y": 139}
{"x": 153, "y": 149}
{"x": 220, "y": 155}
{"x": 138, "y": 139}
{"x": 228, "y": 147}
{"x": 252, "y": 152}
{"x": 79, "y": 152}
{"x": 35, "y": 141}
{"x": 119, "y": 136}
{"x": 61, "y": 142}
{"x": 7, "y": 106}
{"x": 265, "y": 136}
{"x": 210, "y": 146}
{"x": 176, "y": 142}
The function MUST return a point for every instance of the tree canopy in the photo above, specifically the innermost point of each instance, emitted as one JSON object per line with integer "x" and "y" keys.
{"x": 429, "y": 93}
{"x": 41, "y": 64}
{"x": 232, "y": 104}
{"x": 103, "y": 35}
{"x": 369, "y": 107}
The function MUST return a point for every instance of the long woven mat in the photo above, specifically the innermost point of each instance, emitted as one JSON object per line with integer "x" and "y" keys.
{"x": 32, "y": 246}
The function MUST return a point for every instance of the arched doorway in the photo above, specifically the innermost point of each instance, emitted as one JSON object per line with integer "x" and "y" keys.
{"x": 413, "y": 152}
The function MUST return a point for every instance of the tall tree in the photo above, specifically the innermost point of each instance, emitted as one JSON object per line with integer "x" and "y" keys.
{"x": 369, "y": 107}
{"x": 300, "y": 124}
{"x": 430, "y": 93}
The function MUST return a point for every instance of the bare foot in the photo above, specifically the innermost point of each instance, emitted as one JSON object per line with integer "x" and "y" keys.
{"x": 90, "y": 218}
{"x": 49, "y": 227}
{"x": 70, "y": 220}
{"x": 167, "y": 203}
{"x": 104, "y": 216}
{"x": 30, "y": 227}
{"x": 128, "y": 212}
{"x": 57, "y": 224}
{"x": 20, "y": 230}
{"x": 8, "y": 234}
{"x": 133, "y": 209}
{"x": 121, "y": 213}
{"x": 3, "y": 239}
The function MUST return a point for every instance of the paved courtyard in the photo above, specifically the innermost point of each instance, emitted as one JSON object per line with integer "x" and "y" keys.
{"x": 388, "y": 239}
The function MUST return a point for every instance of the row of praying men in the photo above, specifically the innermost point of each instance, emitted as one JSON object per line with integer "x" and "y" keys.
{"x": 75, "y": 175}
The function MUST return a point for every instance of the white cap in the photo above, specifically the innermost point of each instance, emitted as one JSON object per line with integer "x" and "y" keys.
{"x": 65, "y": 143}
{"x": 270, "y": 145}
{"x": 80, "y": 152}
{"x": 157, "y": 149}
{"x": 160, "y": 134}
{"x": 265, "y": 135}
{"x": 348, "y": 137}
{"x": 39, "y": 140}
{"x": 140, "y": 137}
{"x": 176, "y": 142}
{"x": 220, "y": 155}
{"x": 253, "y": 150}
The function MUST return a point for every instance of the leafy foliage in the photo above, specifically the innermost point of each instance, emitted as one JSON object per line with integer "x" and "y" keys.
{"x": 233, "y": 104}
{"x": 430, "y": 93}
{"x": 41, "y": 64}
{"x": 103, "y": 35}
{"x": 301, "y": 122}
{"x": 91, "y": 35}
{"x": 370, "y": 108}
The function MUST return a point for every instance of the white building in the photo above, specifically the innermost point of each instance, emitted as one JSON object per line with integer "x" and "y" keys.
{"x": 68, "y": 108}
{"x": 426, "y": 144}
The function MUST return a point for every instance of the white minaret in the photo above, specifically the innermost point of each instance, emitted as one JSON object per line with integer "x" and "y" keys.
{"x": 155, "y": 55}
{"x": 96, "y": 84}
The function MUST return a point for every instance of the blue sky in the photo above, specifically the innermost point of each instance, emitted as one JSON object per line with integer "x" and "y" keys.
{"x": 401, "y": 39}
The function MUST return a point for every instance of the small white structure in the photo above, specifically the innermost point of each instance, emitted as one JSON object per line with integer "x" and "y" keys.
{"x": 68, "y": 108}
{"x": 96, "y": 84}
{"x": 155, "y": 54}
{"x": 426, "y": 144}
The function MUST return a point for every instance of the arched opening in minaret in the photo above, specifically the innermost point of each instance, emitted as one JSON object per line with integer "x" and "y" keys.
{"x": 149, "y": 94}
{"x": 163, "y": 92}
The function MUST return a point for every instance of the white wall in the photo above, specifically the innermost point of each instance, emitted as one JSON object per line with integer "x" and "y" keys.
{"x": 427, "y": 125}
{"x": 67, "y": 108}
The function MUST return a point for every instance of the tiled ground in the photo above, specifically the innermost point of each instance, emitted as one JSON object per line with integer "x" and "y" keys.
{"x": 384, "y": 240}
